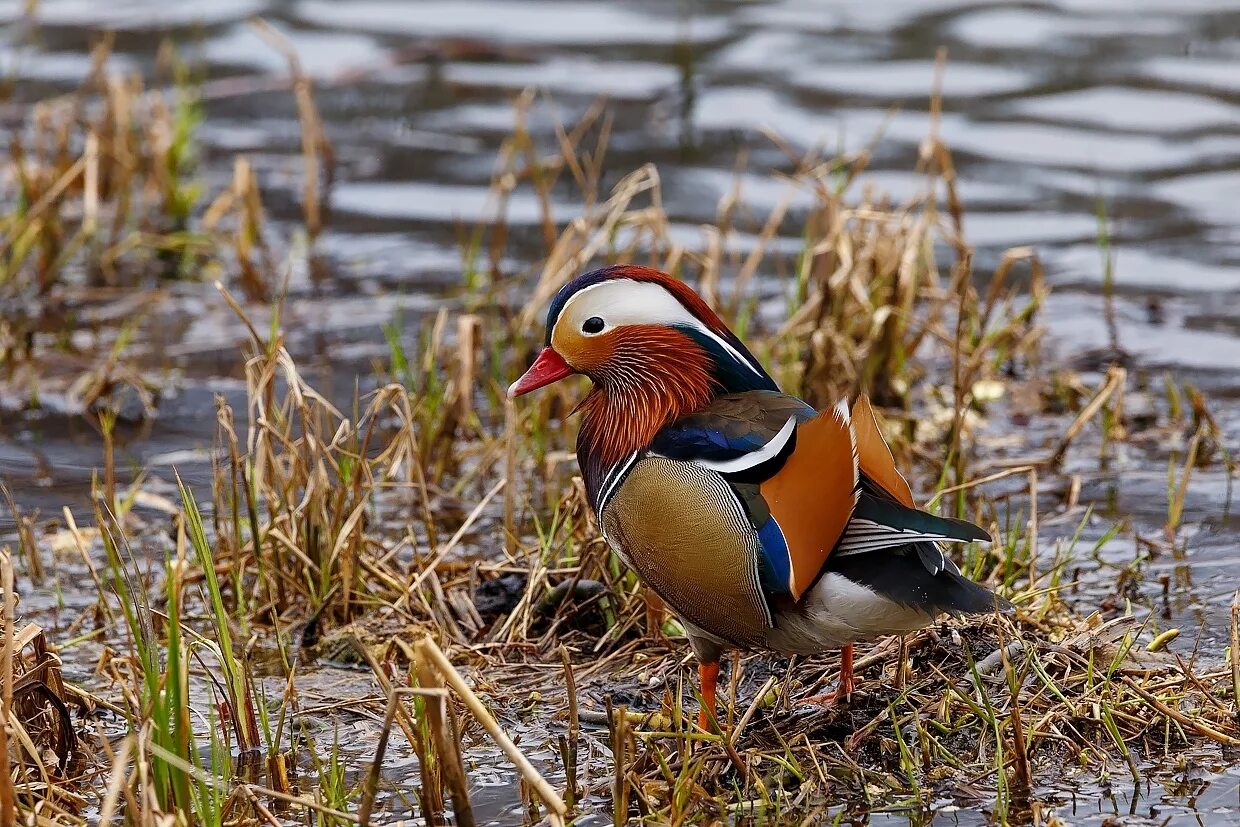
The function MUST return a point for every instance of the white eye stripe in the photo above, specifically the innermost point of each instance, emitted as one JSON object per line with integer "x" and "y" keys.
{"x": 625, "y": 301}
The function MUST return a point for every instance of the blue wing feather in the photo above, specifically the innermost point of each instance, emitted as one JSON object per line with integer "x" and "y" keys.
{"x": 692, "y": 441}
{"x": 775, "y": 569}
{"x": 732, "y": 426}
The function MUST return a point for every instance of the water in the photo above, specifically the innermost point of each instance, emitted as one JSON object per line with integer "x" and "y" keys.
{"x": 1051, "y": 109}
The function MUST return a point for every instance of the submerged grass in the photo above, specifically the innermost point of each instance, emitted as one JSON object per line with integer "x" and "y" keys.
{"x": 438, "y": 537}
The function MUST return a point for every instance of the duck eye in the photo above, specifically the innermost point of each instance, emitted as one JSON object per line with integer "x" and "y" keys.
{"x": 592, "y": 325}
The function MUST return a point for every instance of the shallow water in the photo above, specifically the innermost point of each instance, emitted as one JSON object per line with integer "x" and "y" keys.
{"x": 1048, "y": 108}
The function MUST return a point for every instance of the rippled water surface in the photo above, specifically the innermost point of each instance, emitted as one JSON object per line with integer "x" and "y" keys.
{"x": 1051, "y": 109}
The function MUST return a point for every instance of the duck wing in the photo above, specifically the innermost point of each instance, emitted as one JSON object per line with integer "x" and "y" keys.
{"x": 886, "y": 503}
{"x": 813, "y": 484}
{"x": 793, "y": 469}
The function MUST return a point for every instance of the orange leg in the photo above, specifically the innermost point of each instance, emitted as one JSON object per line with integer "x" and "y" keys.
{"x": 847, "y": 685}
{"x": 708, "y": 674}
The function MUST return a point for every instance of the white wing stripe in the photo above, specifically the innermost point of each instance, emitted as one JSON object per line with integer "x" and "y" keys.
{"x": 866, "y": 535}
{"x": 754, "y": 458}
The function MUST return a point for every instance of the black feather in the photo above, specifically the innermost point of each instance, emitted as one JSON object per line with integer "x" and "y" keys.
{"x": 891, "y": 513}
{"x": 903, "y": 578}
{"x": 932, "y": 557}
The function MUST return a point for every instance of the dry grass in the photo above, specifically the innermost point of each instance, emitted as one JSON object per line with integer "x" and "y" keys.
{"x": 39, "y": 742}
{"x": 430, "y": 510}
{"x": 110, "y": 205}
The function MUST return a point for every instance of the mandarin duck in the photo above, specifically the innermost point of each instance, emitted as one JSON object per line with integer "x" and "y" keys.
{"x": 761, "y": 522}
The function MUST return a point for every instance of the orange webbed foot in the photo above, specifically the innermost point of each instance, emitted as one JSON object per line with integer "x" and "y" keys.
{"x": 848, "y": 684}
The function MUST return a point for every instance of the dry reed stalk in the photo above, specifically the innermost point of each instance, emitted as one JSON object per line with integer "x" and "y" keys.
{"x": 475, "y": 706}
{"x": 107, "y": 422}
{"x": 26, "y": 542}
{"x": 971, "y": 484}
{"x": 712, "y": 263}
{"x": 116, "y": 778}
{"x": 1032, "y": 535}
{"x": 511, "y": 541}
{"x": 617, "y": 721}
{"x": 79, "y": 542}
{"x": 242, "y": 316}
{"x": 1235, "y": 655}
{"x": 444, "y": 736}
{"x": 1022, "y": 771}
{"x": 585, "y": 179}
{"x": 759, "y": 699}
{"x": 249, "y": 233}
{"x": 8, "y": 721}
{"x": 468, "y": 330}
{"x": 316, "y": 149}
{"x": 542, "y": 179}
{"x": 90, "y": 195}
{"x": 569, "y": 745}
{"x": 1115, "y": 379}
{"x": 302, "y": 801}
{"x": 1178, "y": 488}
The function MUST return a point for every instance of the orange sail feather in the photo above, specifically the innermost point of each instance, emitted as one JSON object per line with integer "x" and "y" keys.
{"x": 813, "y": 494}
{"x": 874, "y": 455}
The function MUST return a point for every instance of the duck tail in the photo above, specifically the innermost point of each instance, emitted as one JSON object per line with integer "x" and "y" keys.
{"x": 901, "y": 575}
{"x": 960, "y": 595}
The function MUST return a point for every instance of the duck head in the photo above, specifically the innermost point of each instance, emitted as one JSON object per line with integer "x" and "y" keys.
{"x": 653, "y": 348}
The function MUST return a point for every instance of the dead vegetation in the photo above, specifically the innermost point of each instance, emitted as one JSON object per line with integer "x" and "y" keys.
{"x": 432, "y": 533}
{"x": 39, "y": 747}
